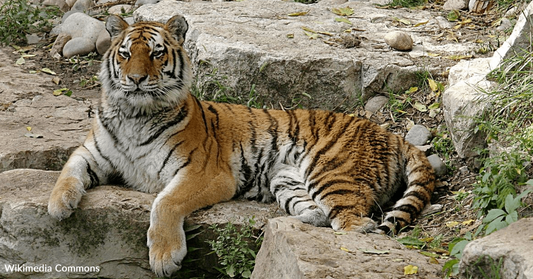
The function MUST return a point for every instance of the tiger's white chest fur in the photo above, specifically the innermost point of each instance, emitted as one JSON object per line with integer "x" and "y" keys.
{"x": 135, "y": 153}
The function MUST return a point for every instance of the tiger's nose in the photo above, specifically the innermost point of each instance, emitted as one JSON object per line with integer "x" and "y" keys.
{"x": 137, "y": 78}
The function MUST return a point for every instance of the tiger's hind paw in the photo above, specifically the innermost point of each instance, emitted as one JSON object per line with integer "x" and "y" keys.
{"x": 362, "y": 225}
{"x": 315, "y": 217}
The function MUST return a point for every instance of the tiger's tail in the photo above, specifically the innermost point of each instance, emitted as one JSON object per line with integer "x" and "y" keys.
{"x": 420, "y": 178}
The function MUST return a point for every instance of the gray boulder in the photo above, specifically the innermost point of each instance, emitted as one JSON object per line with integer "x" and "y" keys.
{"x": 509, "y": 249}
{"x": 80, "y": 25}
{"x": 288, "y": 58}
{"x": 295, "y": 250}
{"x": 104, "y": 238}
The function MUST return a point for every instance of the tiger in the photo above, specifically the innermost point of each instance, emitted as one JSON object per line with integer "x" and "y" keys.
{"x": 323, "y": 168}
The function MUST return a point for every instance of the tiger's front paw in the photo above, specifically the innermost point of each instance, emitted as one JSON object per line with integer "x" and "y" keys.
{"x": 64, "y": 198}
{"x": 167, "y": 250}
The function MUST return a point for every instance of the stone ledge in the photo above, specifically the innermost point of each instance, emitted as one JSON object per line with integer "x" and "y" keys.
{"x": 295, "y": 250}
{"x": 107, "y": 231}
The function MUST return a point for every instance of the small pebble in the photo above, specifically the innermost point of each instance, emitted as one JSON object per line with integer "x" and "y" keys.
{"x": 437, "y": 164}
{"x": 376, "y": 103}
{"x": 399, "y": 40}
{"x": 418, "y": 135}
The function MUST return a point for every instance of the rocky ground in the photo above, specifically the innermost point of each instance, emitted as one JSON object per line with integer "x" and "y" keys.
{"x": 78, "y": 75}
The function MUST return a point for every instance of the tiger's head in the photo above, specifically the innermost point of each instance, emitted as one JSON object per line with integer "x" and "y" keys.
{"x": 146, "y": 68}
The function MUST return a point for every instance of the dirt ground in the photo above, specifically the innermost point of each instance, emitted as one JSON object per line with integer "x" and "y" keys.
{"x": 78, "y": 75}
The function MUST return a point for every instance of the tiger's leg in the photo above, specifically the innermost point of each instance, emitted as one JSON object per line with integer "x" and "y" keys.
{"x": 186, "y": 192}
{"x": 346, "y": 203}
{"x": 288, "y": 187}
{"x": 84, "y": 169}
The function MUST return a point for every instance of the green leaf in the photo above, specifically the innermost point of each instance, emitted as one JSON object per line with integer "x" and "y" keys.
{"x": 511, "y": 218}
{"x": 458, "y": 248}
{"x": 451, "y": 267}
{"x": 343, "y": 11}
{"x": 511, "y": 204}
{"x": 420, "y": 107}
{"x": 493, "y": 214}
{"x": 246, "y": 274}
{"x": 409, "y": 240}
{"x": 495, "y": 225}
{"x": 342, "y": 19}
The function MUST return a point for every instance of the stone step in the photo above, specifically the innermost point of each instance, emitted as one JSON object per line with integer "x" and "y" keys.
{"x": 258, "y": 44}
{"x": 105, "y": 237}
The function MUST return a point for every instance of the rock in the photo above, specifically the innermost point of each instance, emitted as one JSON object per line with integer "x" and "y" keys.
{"x": 376, "y": 103}
{"x": 62, "y": 121}
{"x": 107, "y": 234}
{"x": 70, "y": 3}
{"x": 510, "y": 246}
{"x": 32, "y": 39}
{"x": 399, "y": 40}
{"x": 418, "y": 135}
{"x": 78, "y": 46}
{"x": 437, "y": 164}
{"x": 519, "y": 41}
{"x": 120, "y": 9}
{"x": 61, "y": 4}
{"x": 80, "y": 25}
{"x": 284, "y": 63}
{"x": 425, "y": 148}
{"x": 455, "y": 5}
{"x": 292, "y": 249}
{"x": 504, "y": 25}
{"x": 480, "y": 6}
{"x": 461, "y": 104}
{"x": 103, "y": 42}
{"x": 143, "y": 2}
{"x": 82, "y": 5}
{"x": 59, "y": 43}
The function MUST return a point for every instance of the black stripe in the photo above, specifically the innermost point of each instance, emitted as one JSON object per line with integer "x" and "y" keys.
{"x": 181, "y": 115}
{"x": 203, "y": 115}
{"x": 92, "y": 175}
{"x": 325, "y": 186}
{"x": 186, "y": 162}
{"x": 336, "y": 210}
{"x": 100, "y": 151}
{"x": 341, "y": 192}
{"x": 215, "y": 112}
{"x": 326, "y": 148}
{"x": 288, "y": 201}
{"x": 168, "y": 157}
{"x": 299, "y": 201}
{"x": 408, "y": 208}
{"x": 418, "y": 195}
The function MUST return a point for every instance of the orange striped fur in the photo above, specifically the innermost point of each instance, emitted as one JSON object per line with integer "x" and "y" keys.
{"x": 324, "y": 168}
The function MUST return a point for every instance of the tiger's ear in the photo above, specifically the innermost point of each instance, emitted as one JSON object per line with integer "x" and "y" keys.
{"x": 177, "y": 26}
{"x": 115, "y": 25}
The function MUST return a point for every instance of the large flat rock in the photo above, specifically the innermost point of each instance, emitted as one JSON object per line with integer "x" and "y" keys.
{"x": 256, "y": 43}
{"x": 509, "y": 250}
{"x": 295, "y": 250}
{"x": 26, "y": 100}
{"x": 104, "y": 238}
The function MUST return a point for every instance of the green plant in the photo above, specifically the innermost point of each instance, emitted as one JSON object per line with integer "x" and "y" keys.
{"x": 236, "y": 249}
{"x": 500, "y": 218}
{"x": 456, "y": 248}
{"x": 407, "y": 3}
{"x": 18, "y": 18}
